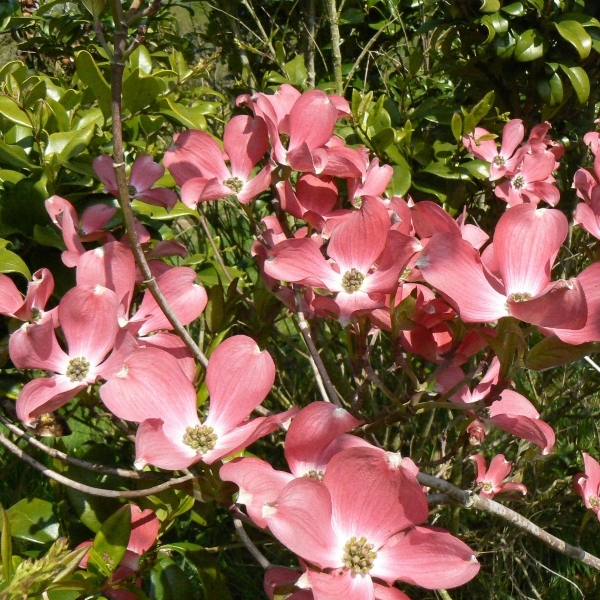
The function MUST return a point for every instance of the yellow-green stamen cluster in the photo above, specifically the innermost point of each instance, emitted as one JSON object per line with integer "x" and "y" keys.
{"x": 312, "y": 474}
{"x": 132, "y": 191}
{"x": 358, "y": 555}
{"x": 77, "y": 369}
{"x": 520, "y": 296}
{"x": 499, "y": 161}
{"x": 594, "y": 501}
{"x": 235, "y": 184}
{"x": 200, "y": 438}
{"x": 518, "y": 182}
{"x": 352, "y": 280}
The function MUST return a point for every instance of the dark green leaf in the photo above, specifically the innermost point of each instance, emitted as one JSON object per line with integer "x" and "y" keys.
{"x": 516, "y": 9}
{"x": 168, "y": 582}
{"x": 530, "y": 46}
{"x": 579, "y": 80}
{"x": 551, "y": 89}
{"x": 296, "y": 71}
{"x": 574, "y": 33}
{"x": 95, "y": 7}
{"x": 12, "y": 112}
{"x": 139, "y": 91}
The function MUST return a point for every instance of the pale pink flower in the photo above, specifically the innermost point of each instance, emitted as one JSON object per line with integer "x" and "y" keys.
{"x": 32, "y": 308}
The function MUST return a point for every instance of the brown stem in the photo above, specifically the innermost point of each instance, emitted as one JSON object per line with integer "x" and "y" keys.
{"x": 472, "y": 500}
{"x": 256, "y": 553}
{"x": 117, "y": 68}
{"x": 87, "y": 489}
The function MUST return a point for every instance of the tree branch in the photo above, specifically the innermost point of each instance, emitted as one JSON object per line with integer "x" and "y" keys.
{"x": 117, "y": 68}
{"x": 87, "y": 489}
{"x": 332, "y": 15}
{"x": 472, "y": 500}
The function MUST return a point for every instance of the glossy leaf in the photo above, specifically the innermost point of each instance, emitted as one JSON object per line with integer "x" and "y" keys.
{"x": 111, "y": 541}
{"x": 574, "y": 33}
{"x": 12, "y": 263}
{"x": 140, "y": 91}
{"x": 33, "y": 520}
{"x": 90, "y": 74}
{"x": 12, "y": 112}
{"x": 530, "y": 46}
{"x": 169, "y": 582}
{"x": 490, "y": 6}
{"x": 552, "y": 352}
{"x": 579, "y": 80}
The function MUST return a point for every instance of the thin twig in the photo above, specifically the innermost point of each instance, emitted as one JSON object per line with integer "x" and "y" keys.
{"x": 117, "y": 68}
{"x": 216, "y": 252}
{"x": 71, "y": 460}
{"x": 311, "y": 43}
{"x": 472, "y": 500}
{"x": 87, "y": 489}
{"x": 256, "y": 553}
{"x": 321, "y": 373}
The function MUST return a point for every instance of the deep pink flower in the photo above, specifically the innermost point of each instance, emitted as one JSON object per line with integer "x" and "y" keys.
{"x": 587, "y": 484}
{"x": 360, "y": 523}
{"x": 198, "y": 164}
{"x": 32, "y": 308}
{"x": 490, "y": 480}
{"x": 144, "y": 174}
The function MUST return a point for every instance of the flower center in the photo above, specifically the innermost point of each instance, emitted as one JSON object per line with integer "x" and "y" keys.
{"x": 235, "y": 184}
{"x": 36, "y": 314}
{"x": 77, "y": 369}
{"x": 312, "y": 474}
{"x": 520, "y": 296}
{"x": 200, "y": 438}
{"x": 358, "y": 555}
{"x": 132, "y": 191}
{"x": 352, "y": 280}
{"x": 499, "y": 161}
{"x": 518, "y": 182}
{"x": 487, "y": 487}
{"x": 594, "y": 501}
{"x": 358, "y": 201}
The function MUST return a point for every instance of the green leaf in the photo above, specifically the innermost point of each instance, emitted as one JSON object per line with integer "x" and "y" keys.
{"x": 141, "y": 59}
{"x": 215, "y": 309}
{"x": 151, "y": 123}
{"x": 90, "y": 74}
{"x": 574, "y": 33}
{"x": 48, "y": 236}
{"x": 552, "y": 352}
{"x": 480, "y": 169}
{"x": 530, "y": 46}
{"x": 579, "y": 80}
{"x": 69, "y": 143}
{"x": 551, "y": 89}
{"x": 111, "y": 541}
{"x": 351, "y": 16}
{"x": 495, "y": 23}
{"x": 490, "y": 6}
{"x": 15, "y": 156}
{"x": 140, "y": 91}
{"x": 516, "y": 9}
{"x": 12, "y": 263}
{"x": 296, "y": 71}
{"x": 95, "y": 7}
{"x": 383, "y": 139}
{"x": 188, "y": 117}
{"x": 401, "y": 179}
{"x": 161, "y": 214}
{"x": 22, "y": 206}
{"x": 442, "y": 170}
{"x": 33, "y": 520}
{"x": 12, "y": 112}
{"x": 169, "y": 582}
{"x": 457, "y": 127}
{"x": 6, "y": 548}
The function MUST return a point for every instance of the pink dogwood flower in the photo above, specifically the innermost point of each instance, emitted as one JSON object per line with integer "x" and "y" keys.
{"x": 32, "y": 307}
{"x": 317, "y": 433}
{"x": 170, "y": 435}
{"x": 490, "y": 480}
{"x": 526, "y": 242}
{"x": 361, "y": 522}
{"x": 198, "y": 164}
{"x": 88, "y": 319}
{"x": 144, "y": 174}
{"x": 587, "y": 484}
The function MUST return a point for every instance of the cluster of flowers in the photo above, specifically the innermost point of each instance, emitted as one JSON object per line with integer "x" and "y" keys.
{"x": 350, "y": 511}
